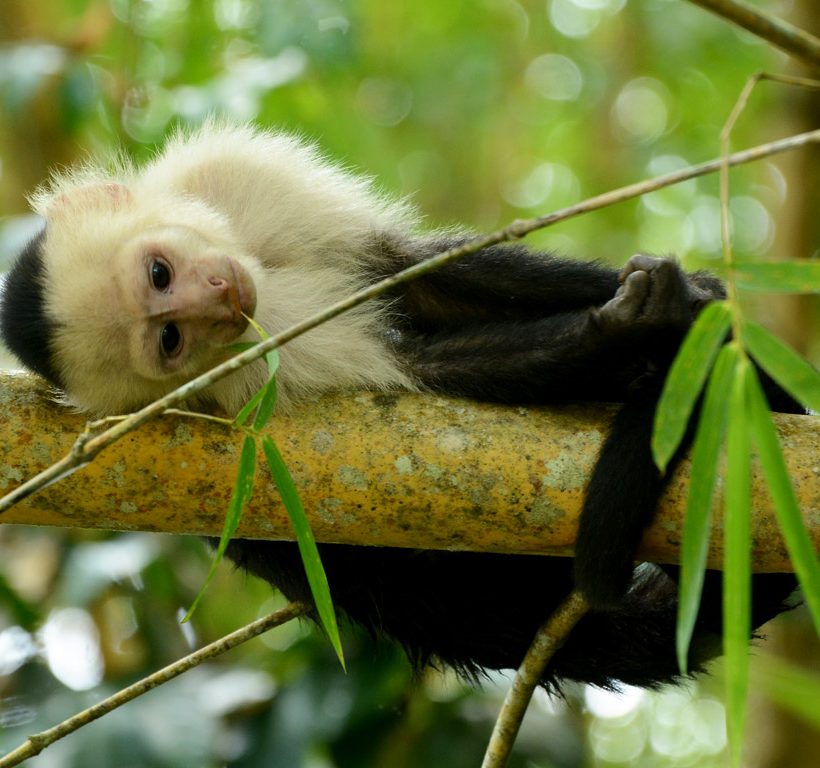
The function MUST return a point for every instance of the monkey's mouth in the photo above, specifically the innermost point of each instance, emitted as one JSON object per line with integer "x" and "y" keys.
{"x": 245, "y": 288}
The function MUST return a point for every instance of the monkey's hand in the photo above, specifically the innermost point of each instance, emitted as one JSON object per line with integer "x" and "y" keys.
{"x": 655, "y": 293}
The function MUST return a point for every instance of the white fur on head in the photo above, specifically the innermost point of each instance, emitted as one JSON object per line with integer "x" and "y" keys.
{"x": 302, "y": 228}
{"x": 287, "y": 203}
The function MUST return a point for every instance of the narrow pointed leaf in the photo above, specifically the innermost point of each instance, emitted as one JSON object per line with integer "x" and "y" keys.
{"x": 266, "y": 407}
{"x": 272, "y": 357}
{"x": 19, "y": 609}
{"x": 798, "y": 542}
{"x": 685, "y": 380}
{"x": 314, "y": 569}
{"x": 737, "y": 568}
{"x": 796, "y": 689}
{"x": 241, "y": 346}
{"x": 784, "y": 365}
{"x": 260, "y": 331}
{"x": 782, "y": 276}
{"x": 266, "y": 396}
{"x": 242, "y": 492}
{"x": 702, "y": 480}
{"x": 248, "y": 408}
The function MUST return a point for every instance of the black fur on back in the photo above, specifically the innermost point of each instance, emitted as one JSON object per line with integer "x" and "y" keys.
{"x": 25, "y": 326}
{"x": 477, "y": 611}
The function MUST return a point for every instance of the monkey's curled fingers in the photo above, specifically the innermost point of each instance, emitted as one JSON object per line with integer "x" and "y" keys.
{"x": 626, "y": 307}
{"x": 642, "y": 262}
{"x": 668, "y": 301}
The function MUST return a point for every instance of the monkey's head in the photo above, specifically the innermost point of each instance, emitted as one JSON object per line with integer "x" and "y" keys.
{"x": 116, "y": 303}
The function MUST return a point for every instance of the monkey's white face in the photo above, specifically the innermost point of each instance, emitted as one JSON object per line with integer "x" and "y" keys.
{"x": 148, "y": 271}
{"x": 186, "y": 297}
{"x": 146, "y": 293}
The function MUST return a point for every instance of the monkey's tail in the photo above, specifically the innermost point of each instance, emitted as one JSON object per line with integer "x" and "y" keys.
{"x": 636, "y": 609}
{"x": 624, "y": 489}
{"x": 620, "y": 502}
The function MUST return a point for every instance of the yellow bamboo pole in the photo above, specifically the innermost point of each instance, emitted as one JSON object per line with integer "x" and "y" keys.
{"x": 393, "y": 470}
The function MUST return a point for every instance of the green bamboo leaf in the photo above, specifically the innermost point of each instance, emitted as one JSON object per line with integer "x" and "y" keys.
{"x": 784, "y": 365}
{"x": 247, "y": 409}
{"x": 702, "y": 480}
{"x": 780, "y": 276}
{"x": 267, "y": 406}
{"x": 272, "y": 357}
{"x": 736, "y": 564}
{"x": 796, "y": 689}
{"x": 317, "y": 579}
{"x": 241, "y": 346}
{"x": 19, "y": 609}
{"x": 266, "y": 396}
{"x": 685, "y": 380}
{"x": 260, "y": 331}
{"x": 798, "y": 541}
{"x": 242, "y": 492}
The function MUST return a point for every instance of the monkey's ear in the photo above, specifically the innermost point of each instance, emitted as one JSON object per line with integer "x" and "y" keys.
{"x": 102, "y": 196}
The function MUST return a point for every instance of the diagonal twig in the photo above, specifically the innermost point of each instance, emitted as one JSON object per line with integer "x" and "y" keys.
{"x": 38, "y": 742}
{"x": 793, "y": 40}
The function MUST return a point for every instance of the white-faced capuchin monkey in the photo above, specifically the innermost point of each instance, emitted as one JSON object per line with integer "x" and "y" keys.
{"x": 140, "y": 279}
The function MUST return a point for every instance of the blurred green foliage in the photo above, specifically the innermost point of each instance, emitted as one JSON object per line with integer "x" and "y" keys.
{"x": 483, "y": 112}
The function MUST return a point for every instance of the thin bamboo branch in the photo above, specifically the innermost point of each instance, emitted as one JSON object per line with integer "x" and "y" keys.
{"x": 793, "y": 40}
{"x": 39, "y": 741}
{"x": 549, "y": 638}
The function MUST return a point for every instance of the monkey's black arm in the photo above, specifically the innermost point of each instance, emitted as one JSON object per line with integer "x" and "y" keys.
{"x": 560, "y": 357}
{"x": 499, "y": 283}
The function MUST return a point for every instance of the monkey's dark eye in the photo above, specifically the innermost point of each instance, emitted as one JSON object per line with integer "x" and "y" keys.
{"x": 160, "y": 275}
{"x": 170, "y": 339}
